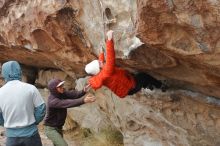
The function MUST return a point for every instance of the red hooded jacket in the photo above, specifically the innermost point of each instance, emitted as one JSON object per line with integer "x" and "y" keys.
{"x": 116, "y": 79}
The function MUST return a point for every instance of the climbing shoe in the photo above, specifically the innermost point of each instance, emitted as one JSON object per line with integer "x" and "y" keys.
{"x": 150, "y": 87}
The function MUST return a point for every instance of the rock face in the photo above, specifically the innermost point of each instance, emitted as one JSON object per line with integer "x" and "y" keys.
{"x": 177, "y": 40}
{"x": 169, "y": 39}
{"x": 186, "y": 31}
{"x": 155, "y": 118}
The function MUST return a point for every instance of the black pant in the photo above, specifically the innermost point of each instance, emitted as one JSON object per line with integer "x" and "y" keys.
{"x": 146, "y": 81}
{"x": 24, "y": 141}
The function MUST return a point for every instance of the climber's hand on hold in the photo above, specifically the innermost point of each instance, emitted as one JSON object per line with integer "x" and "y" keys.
{"x": 109, "y": 35}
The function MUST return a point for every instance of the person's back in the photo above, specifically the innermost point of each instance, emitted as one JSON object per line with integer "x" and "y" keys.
{"x": 16, "y": 102}
{"x": 21, "y": 108}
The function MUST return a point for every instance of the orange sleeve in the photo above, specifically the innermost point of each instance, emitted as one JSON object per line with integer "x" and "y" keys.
{"x": 97, "y": 80}
{"x": 101, "y": 57}
{"x": 110, "y": 58}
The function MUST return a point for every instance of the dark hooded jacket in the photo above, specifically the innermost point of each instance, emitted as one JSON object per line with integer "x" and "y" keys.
{"x": 58, "y": 103}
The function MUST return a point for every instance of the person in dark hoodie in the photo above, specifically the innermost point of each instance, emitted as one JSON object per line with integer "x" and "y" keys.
{"x": 58, "y": 102}
{"x": 21, "y": 108}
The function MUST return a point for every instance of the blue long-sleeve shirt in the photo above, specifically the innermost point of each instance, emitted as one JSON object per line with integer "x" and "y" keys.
{"x": 39, "y": 113}
{"x": 1, "y": 120}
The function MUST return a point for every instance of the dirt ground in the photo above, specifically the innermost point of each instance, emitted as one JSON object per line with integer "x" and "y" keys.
{"x": 45, "y": 140}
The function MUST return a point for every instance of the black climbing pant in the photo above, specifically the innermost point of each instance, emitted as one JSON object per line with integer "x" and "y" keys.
{"x": 144, "y": 80}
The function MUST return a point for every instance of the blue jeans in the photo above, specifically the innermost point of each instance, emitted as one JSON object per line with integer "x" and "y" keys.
{"x": 24, "y": 141}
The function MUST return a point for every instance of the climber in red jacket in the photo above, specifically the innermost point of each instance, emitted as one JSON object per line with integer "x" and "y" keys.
{"x": 120, "y": 81}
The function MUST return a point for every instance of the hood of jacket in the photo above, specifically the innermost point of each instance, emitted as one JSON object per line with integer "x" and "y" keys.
{"x": 11, "y": 70}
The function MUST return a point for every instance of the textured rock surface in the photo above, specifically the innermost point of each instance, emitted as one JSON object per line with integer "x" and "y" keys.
{"x": 187, "y": 31}
{"x": 44, "y": 76}
{"x": 180, "y": 118}
{"x": 180, "y": 37}
{"x": 177, "y": 40}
